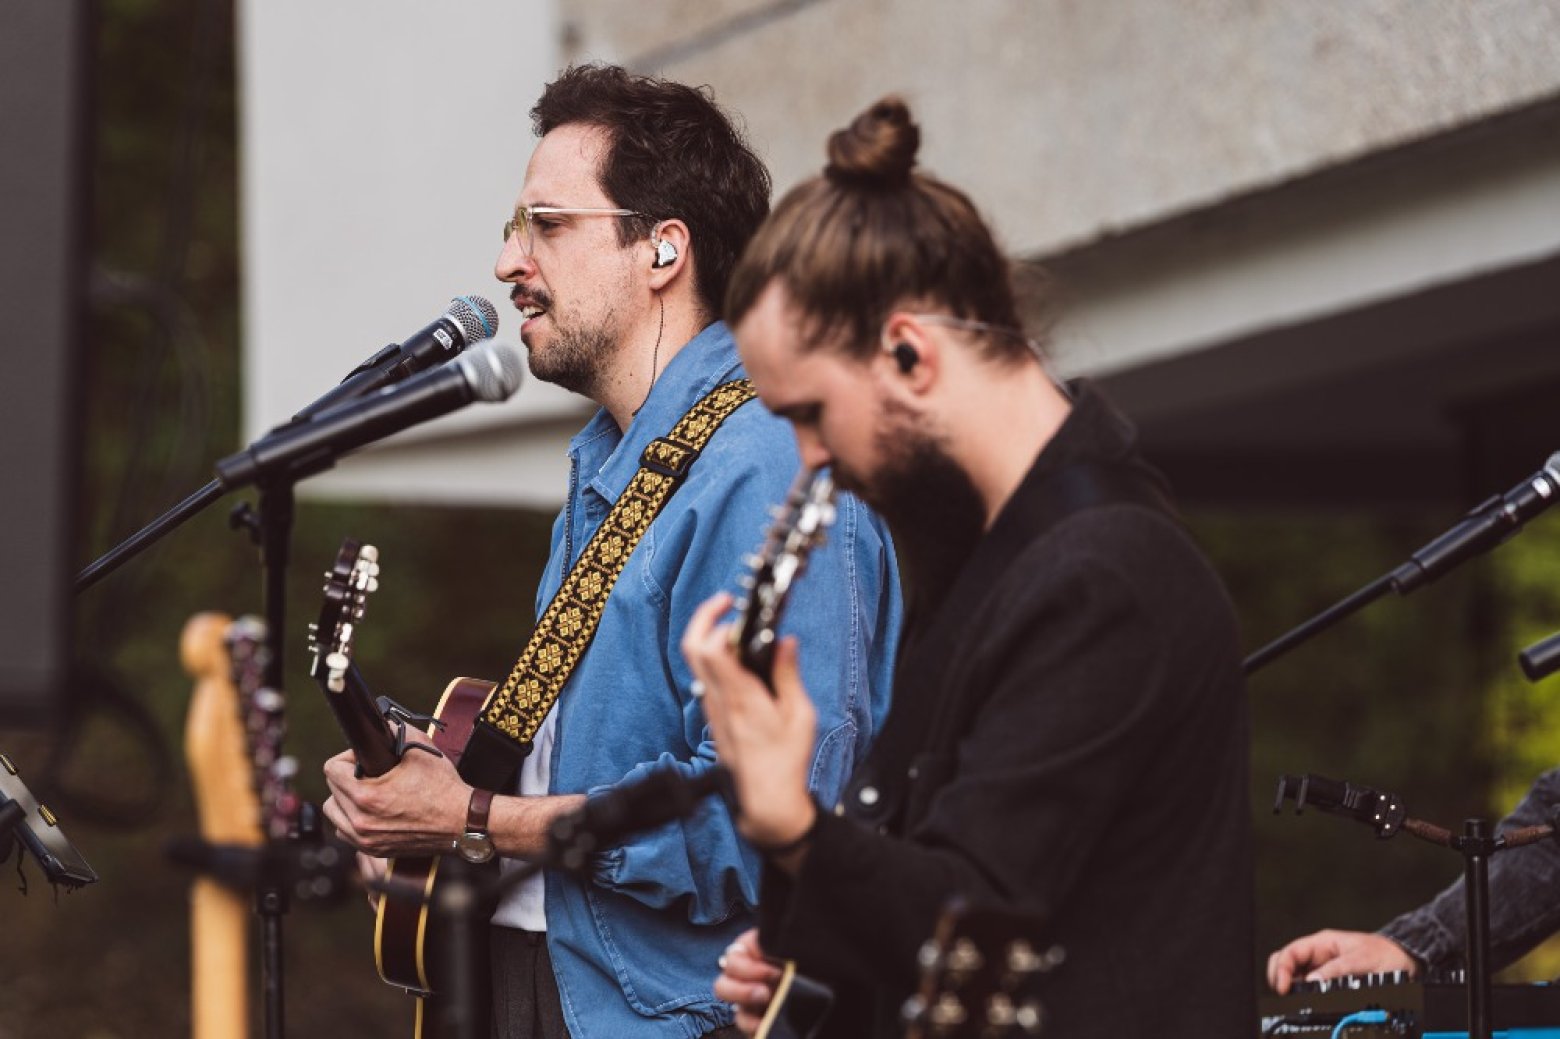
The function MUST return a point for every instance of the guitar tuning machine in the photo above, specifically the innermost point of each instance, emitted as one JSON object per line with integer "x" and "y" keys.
{"x": 1003, "y": 1015}
{"x": 1024, "y": 962}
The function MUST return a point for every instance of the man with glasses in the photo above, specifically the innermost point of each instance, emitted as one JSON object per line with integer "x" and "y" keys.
{"x": 636, "y": 203}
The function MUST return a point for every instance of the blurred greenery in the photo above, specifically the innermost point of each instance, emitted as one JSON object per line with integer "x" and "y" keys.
{"x": 1419, "y": 696}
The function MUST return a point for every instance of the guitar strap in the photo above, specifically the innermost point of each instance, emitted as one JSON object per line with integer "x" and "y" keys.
{"x": 512, "y": 714}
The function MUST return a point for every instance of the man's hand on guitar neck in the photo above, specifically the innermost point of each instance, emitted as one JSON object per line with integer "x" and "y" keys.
{"x": 747, "y": 981}
{"x": 766, "y": 739}
{"x": 419, "y": 808}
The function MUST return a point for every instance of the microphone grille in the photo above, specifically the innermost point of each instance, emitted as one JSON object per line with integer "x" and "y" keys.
{"x": 477, "y": 318}
{"x": 492, "y": 369}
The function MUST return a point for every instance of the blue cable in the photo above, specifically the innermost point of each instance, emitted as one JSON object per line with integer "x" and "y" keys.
{"x": 1360, "y": 1017}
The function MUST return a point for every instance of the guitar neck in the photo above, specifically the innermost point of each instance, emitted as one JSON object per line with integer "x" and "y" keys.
{"x": 362, "y": 724}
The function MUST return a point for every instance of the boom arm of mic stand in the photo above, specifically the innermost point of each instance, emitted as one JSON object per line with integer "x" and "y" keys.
{"x": 1322, "y": 621}
{"x": 144, "y": 538}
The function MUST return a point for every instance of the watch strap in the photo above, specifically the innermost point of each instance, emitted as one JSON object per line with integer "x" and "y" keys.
{"x": 477, "y": 810}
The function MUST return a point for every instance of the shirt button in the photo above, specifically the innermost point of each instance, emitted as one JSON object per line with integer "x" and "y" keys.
{"x": 868, "y": 795}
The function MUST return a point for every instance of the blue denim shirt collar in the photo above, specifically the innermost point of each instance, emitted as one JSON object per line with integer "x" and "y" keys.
{"x": 704, "y": 362}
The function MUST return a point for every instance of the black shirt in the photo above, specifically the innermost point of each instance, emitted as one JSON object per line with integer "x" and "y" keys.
{"x": 1068, "y": 737}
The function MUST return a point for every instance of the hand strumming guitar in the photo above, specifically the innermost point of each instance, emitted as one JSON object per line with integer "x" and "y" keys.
{"x": 747, "y": 980}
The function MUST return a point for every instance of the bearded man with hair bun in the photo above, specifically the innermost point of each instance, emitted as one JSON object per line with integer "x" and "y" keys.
{"x": 1068, "y": 731}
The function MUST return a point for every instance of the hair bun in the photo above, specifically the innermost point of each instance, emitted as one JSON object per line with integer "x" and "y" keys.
{"x": 877, "y": 149}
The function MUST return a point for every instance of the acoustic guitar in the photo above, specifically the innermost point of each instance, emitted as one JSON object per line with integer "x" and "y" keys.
{"x": 409, "y": 934}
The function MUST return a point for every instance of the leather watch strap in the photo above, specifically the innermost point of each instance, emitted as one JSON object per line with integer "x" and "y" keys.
{"x": 477, "y": 810}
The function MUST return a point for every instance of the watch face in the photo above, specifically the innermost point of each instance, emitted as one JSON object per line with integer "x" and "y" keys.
{"x": 474, "y": 847}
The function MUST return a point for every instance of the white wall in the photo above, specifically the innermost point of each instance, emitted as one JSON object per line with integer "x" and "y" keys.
{"x": 383, "y": 145}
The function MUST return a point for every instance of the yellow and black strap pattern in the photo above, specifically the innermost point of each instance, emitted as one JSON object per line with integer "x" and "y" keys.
{"x": 518, "y": 707}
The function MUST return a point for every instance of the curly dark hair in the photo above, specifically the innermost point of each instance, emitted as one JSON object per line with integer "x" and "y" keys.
{"x": 672, "y": 152}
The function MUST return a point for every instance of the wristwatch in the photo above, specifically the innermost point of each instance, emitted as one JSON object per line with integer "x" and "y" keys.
{"x": 474, "y": 845}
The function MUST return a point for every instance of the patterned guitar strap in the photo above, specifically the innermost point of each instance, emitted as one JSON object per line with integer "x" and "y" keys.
{"x": 512, "y": 714}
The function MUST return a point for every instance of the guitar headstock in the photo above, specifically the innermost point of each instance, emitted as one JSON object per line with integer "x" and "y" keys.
{"x": 263, "y": 711}
{"x": 800, "y": 523}
{"x": 351, "y": 578}
{"x": 979, "y": 971}
{"x": 234, "y": 731}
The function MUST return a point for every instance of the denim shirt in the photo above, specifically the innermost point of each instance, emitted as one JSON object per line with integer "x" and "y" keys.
{"x": 1524, "y": 896}
{"x": 634, "y": 945}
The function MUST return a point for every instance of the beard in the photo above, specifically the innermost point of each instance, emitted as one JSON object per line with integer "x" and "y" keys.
{"x": 928, "y": 501}
{"x": 577, "y": 356}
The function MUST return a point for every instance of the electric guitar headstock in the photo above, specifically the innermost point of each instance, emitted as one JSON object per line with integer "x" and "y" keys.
{"x": 801, "y": 522}
{"x": 979, "y": 972}
{"x": 263, "y": 712}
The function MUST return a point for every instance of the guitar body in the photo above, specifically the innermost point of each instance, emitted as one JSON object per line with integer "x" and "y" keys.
{"x": 402, "y": 927}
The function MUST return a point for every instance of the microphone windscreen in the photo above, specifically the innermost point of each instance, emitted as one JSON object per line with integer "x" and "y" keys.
{"x": 493, "y": 370}
{"x": 477, "y": 317}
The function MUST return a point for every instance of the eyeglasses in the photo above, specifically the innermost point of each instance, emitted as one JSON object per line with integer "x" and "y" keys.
{"x": 526, "y": 218}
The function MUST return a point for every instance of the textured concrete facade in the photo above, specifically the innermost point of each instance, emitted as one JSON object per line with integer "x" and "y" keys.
{"x": 1069, "y": 120}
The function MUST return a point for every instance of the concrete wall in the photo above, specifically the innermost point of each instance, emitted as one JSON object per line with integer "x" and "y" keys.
{"x": 1069, "y": 120}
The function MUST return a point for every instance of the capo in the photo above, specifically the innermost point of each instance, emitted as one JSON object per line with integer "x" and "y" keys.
{"x": 401, "y": 716}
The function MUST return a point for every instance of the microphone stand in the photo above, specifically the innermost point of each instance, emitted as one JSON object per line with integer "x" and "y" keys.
{"x": 274, "y": 536}
{"x": 1318, "y": 624}
{"x": 359, "y": 381}
{"x": 1385, "y": 813}
{"x": 144, "y": 538}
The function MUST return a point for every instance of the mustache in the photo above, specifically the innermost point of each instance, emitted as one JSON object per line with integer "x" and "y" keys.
{"x": 537, "y": 298}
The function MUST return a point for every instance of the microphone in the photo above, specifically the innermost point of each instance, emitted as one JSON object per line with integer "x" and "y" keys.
{"x": 1486, "y": 526}
{"x": 1541, "y": 659}
{"x": 468, "y": 320}
{"x": 489, "y": 372}
{"x": 662, "y": 796}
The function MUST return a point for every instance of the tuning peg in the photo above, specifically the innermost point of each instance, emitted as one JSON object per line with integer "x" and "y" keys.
{"x": 369, "y": 552}
{"x": 947, "y": 1013}
{"x": 964, "y": 957}
{"x": 338, "y": 661}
